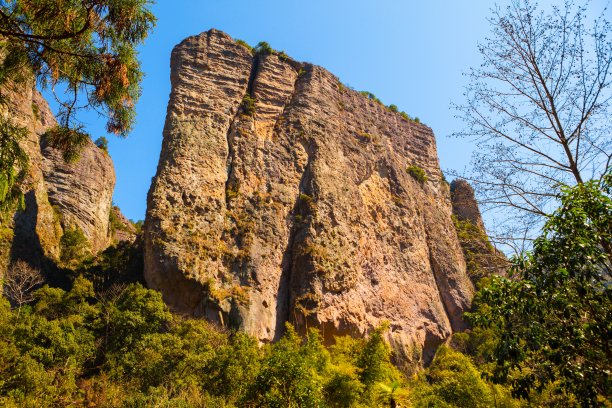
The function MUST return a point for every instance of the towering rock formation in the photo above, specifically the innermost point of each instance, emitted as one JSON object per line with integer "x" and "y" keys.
{"x": 57, "y": 195}
{"x": 281, "y": 195}
{"x": 482, "y": 258}
{"x": 465, "y": 207}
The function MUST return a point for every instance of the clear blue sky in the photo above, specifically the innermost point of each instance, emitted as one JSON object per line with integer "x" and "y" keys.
{"x": 410, "y": 53}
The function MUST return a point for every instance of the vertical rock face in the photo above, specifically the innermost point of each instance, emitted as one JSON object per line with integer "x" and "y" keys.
{"x": 57, "y": 195}
{"x": 482, "y": 258}
{"x": 82, "y": 191}
{"x": 464, "y": 203}
{"x": 302, "y": 210}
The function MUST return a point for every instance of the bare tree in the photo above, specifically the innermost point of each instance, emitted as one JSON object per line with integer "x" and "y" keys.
{"x": 539, "y": 110}
{"x": 19, "y": 283}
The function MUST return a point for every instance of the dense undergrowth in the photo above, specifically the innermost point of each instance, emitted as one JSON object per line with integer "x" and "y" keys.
{"x": 107, "y": 341}
{"x": 122, "y": 347}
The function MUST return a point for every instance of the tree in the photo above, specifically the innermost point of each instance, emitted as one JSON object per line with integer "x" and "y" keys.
{"x": 85, "y": 50}
{"x": 20, "y": 281}
{"x": 538, "y": 108}
{"x": 554, "y": 314}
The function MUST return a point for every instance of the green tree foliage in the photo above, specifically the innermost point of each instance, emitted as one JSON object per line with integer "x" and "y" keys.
{"x": 452, "y": 380}
{"x": 554, "y": 314}
{"x": 13, "y": 166}
{"x": 291, "y": 374}
{"x": 74, "y": 247}
{"x": 417, "y": 173}
{"x": 85, "y": 48}
{"x": 102, "y": 143}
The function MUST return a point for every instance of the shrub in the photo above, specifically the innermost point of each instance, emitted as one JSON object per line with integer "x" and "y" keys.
{"x": 452, "y": 380}
{"x": 371, "y": 96}
{"x": 405, "y": 116}
{"x": 393, "y": 108}
{"x": 245, "y": 45}
{"x": 74, "y": 247}
{"x": 102, "y": 143}
{"x": 248, "y": 105}
{"x": 417, "y": 173}
{"x": 283, "y": 56}
{"x": 263, "y": 48}
{"x": 69, "y": 141}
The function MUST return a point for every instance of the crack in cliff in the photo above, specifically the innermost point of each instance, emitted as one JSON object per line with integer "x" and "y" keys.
{"x": 232, "y": 128}
{"x": 435, "y": 270}
{"x": 283, "y": 302}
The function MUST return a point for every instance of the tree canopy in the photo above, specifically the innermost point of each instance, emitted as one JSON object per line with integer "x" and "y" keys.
{"x": 85, "y": 52}
{"x": 554, "y": 313}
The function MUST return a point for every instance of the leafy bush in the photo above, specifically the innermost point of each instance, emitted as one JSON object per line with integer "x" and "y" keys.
{"x": 248, "y": 105}
{"x": 452, "y": 380}
{"x": 283, "y": 56}
{"x": 263, "y": 48}
{"x": 102, "y": 143}
{"x": 393, "y": 108}
{"x": 554, "y": 313}
{"x": 371, "y": 96}
{"x": 245, "y": 45}
{"x": 417, "y": 173}
{"x": 74, "y": 246}
{"x": 69, "y": 141}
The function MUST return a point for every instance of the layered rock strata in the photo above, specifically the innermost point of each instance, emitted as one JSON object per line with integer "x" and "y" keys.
{"x": 283, "y": 196}
{"x": 58, "y": 195}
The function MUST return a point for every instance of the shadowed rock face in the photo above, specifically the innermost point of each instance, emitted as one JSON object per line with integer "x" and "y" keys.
{"x": 302, "y": 211}
{"x": 57, "y": 195}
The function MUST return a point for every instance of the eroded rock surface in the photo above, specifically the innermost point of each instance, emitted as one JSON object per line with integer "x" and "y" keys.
{"x": 57, "y": 195}
{"x": 482, "y": 258}
{"x": 302, "y": 211}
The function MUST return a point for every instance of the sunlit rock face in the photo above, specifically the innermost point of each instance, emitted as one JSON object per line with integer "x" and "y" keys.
{"x": 58, "y": 195}
{"x": 300, "y": 207}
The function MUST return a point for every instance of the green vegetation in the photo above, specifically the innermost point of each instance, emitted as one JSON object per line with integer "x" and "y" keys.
{"x": 481, "y": 258}
{"x": 90, "y": 49}
{"x": 245, "y": 45}
{"x": 119, "y": 346}
{"x": 263, "y": 48}
{"x": 371, "y": 96}
{"x": 13, "y": 167}
{"x": 74, "y": 247}
{"x": 392, "y": 108}
{"x": 69, "y": 141}
{"x": 553, "y": 315}
{"x": 417, "y": 173}
{"x": 248, "y": 105}
{"x": 282, "y": 55}
{"x": 102, "y": 143}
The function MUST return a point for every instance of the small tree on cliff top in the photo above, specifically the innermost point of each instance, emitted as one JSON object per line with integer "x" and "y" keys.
{"x": 538, "y": 108}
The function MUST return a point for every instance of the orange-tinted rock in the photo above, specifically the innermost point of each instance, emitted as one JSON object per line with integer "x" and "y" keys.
{"x": 301, "y": 212}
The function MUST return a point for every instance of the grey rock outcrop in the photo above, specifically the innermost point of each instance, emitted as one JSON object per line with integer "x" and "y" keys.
{"x": 302, "y": 211}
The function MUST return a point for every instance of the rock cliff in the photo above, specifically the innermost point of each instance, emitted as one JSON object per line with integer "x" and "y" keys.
{"x": 283, "y": 196}
{"x": 482, "y": 258}
{"x": 58, "y": 195}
